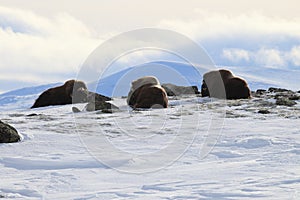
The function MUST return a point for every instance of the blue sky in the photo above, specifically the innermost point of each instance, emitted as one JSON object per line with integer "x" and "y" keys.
{"x": 45, "y": 42}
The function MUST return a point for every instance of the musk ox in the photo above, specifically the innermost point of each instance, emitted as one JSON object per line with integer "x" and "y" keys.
{"x": 223, "y": 84}
{"x": 146, "y": 92}
{"x": 63, "y": 95}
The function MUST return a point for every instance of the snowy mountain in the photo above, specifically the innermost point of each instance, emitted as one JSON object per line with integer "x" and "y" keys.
{"x": 118, "y": 84}
{"x": 22, "y": 98}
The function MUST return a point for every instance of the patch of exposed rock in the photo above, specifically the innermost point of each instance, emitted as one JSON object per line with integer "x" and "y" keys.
{"x": 283, "y": 101}
{"x": 8, "y": 134}
{"x": 282, "y": 97}
{"x": 264, "y": 111}
{"x": 100, "y": 105}
{"x": 175, "y": 90}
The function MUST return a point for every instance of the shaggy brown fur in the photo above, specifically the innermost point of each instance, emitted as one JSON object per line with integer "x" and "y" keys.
{"x": 149, "y": 94}
{"x": 223, "y": 84}
{"x": 62, "y": 95}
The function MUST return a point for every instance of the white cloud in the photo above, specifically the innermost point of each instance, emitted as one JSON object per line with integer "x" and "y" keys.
{"x": 236, "y": 55}
{"x": 294, "y": 55}
{"x": 206, "y": 24}
{"x": 266, "y": 57}
{"x": 252, "y": 38}
{"x": 270, "y": 58}
{"x": 35, "y": 49}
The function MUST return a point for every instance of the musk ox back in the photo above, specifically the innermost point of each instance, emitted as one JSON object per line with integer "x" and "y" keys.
{"x": 63, "y": 95}
{"x": 223, "y": 84}
{"x": 146, "y": 92}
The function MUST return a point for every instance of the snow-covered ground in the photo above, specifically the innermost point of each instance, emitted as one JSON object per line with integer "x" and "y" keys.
{"x": 197, "y": 148}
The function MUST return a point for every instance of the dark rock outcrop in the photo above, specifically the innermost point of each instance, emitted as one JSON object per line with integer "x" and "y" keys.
{"x": 261, "y": 91}
{"x": 75, "y": 109}
{"x": 272, "y": 89}
{"x": 97, "y": 102}
{"x": 223, "y": 84}
{"x": 8, "y": 134}
{"x": 94, "y": 97}
{"x": 146, "y": 92}
{"x": 289, "y": 95}
{"x": 283, "y": 101}
{"x": 174, "y": 90}
{"x": 32, "y": 115}
{"x": 294, "y": 97}
{"x": 264, "y": 111}
{"x": 100, "y": 105}
{"x": 282, "y": 97}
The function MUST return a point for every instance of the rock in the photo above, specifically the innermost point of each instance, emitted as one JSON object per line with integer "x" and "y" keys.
{"x": 107, "y": 111}
{"x": 174, "y": 90}
{"x": 272, "y": 89}
{"x": 32, "y": 115}
{"x": 146, "y": 92}
{"x": 264, "y": 111}
{"x": 223, "y": 84}
{"x": 75, "y": 110}
{"x": 94, "y": 97}
{"x": 283, "y": 101}
{"x": 261, "y": 91}
{"x": 294, "y": 97}
{"x": 253, "y": 93}
{"x": 8, "y": 134}
{"x": 100, "y": 105}
{"x": 287, "y": 94}
{"x": 264, "y": 103}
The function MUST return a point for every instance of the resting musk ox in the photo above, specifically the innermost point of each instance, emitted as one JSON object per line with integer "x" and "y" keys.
{"x": 223, "y": 84}
{"x": 63, "y": 95}
{"x": 146, "y": 92}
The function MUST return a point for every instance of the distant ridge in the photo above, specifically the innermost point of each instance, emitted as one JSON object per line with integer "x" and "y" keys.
{"x": 22, "y": 98}
{"x": 118, "y": 84}
{"x": 29, "y": 90}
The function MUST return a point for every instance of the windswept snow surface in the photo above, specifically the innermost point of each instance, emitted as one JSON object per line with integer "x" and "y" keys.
{"x": 254, "y": 156}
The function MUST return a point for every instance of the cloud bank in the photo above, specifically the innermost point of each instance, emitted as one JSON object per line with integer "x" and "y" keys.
{"x": 244, "y": 39}
{"x": 265, "y": 57}
{"x": 35, "y": 49}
